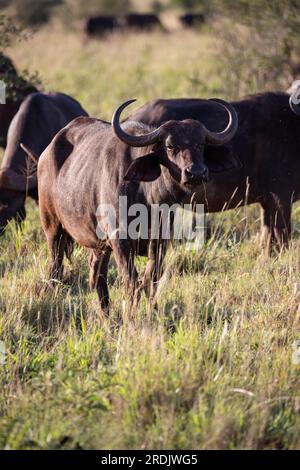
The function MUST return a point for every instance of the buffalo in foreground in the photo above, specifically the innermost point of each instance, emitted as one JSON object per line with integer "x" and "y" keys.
{"x": 267, "y": 144}
{"x": 90, "y": 164}
{"x": 39, "y": 118}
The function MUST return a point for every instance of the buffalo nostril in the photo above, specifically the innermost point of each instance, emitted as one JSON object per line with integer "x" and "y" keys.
{"x": 189, "y": 174}
{"x": 195, "y": 176}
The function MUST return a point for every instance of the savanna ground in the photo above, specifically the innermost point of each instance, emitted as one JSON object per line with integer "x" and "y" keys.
{"x": 212, "y": 366}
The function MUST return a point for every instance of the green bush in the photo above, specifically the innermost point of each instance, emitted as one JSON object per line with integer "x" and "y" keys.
{"x": 34, "y": 12}
{"x": 189, "y": 4}
{"x": 157, "y": 7}
{"x": 17, "y": 85}
{"x": 83, "y": 8}
{"x": 9, "y": 31}
{"x": 260, "y": 44}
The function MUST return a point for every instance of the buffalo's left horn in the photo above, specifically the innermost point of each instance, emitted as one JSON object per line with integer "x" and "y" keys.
{"x": 133, "y": 140}
{"x": 295, "y": 107}
{"x": 220, "y": 138}
{"x": 9, "y": 179}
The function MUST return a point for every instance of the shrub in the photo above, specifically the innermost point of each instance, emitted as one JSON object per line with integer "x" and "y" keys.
{"x": 260, "y": 44}
{"x": 34, "y": 12}
{"x": 9, "y": 31}
{"x": 83, "y": 8}
{"x": 189, "y": 4}
{"x": 17, "y": 85}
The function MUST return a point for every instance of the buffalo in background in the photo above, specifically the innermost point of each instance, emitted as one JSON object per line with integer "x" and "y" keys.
{"x": 192, "y": 20}
{"x": 100, "y": 25}
{"x": 267, "y": 144}
{"x": 142, "y": 21}
{"x": 39, "y": 118}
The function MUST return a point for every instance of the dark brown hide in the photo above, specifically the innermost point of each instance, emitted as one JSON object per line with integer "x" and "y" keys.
{"x": 39, "y": 118}
{"x": 267, "y": 145}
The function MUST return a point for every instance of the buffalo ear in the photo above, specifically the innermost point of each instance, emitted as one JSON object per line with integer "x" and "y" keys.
{"x": 219, "y": 159}
{"x": 146, "y": 168}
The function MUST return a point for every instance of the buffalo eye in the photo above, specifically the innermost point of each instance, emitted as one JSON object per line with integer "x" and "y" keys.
{"x": 172, "y": 148}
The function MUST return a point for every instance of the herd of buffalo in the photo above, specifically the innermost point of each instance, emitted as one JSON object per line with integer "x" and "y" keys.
{"x": 219, "y": 154}
{"x": 101, "y": 25}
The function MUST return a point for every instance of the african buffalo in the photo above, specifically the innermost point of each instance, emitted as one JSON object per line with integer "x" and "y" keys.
{"x": 17, "y": 89}
{"x": 267, "y": 144}
{"x": 142, "y": 21}
{"x": 192, "y": 20}
{"x": 39, "y": 118}
{"x": 90, "y": 164}
{"x": 100, "y": 25}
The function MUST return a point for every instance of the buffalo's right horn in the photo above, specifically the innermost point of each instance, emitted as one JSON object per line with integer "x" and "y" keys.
{"x": 221, "y": 138}
{"x": 133, "y": 140}
{"x": 294, "y": 102}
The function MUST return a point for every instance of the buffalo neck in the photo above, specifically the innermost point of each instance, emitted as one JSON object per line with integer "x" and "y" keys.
{"x": 165, "y": 190}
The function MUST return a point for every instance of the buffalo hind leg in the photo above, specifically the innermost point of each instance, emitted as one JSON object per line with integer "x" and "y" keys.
{"x": 98, "y": 276}
{"x": 57, "y": 239}
{"x": 276, "y": 223}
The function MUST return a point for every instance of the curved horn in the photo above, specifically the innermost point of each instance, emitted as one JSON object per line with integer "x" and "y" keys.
{"x": 133, "y": 140}
{"x": 220, "y": 138}
{"x": 294, "y": 102}
{"x": 9, "y": 179}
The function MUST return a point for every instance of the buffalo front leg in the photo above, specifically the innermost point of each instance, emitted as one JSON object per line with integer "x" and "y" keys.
{"x": 124, "y": 257}
{"x": 153, "y": 272}
{"x": 98, "y": 276}
{"x": 276, "y": 222}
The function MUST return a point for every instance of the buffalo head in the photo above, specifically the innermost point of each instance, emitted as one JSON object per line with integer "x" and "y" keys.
{"x": 13, "y": 190}
{"x": 177, "y": 145}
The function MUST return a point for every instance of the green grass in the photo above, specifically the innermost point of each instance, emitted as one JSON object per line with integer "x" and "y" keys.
{"x": 212, "y": 366}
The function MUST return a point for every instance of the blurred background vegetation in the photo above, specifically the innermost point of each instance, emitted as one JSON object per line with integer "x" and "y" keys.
{"x": 258, "y": 42}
